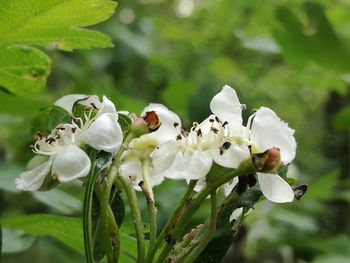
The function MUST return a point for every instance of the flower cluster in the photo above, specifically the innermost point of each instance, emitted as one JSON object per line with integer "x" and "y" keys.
{"x": 166, "y": 150}
{"x": 60, "y": 157}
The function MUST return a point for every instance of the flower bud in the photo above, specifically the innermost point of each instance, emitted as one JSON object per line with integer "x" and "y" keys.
{"x": 139, "y": 127}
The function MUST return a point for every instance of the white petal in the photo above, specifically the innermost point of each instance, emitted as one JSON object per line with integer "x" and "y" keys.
{"x": 71, "y": 163}
{"x": 227, "y": 107}
{"x": 107, "y": 106}
{"x": 228, "y": 187}
{"x": 170, "y": 125}
{"x": 269, "y": 131}
{"x": 104, "y": 133}
{"x": 36, "y": 161}
{"x": 231, "y": 157}
{"x": 164, "y": 156}
{"x": 132, "y": 169}
{"x": 237, "y": 213}
{"x": 275, "y": 188}
{"x": 67, "y": 102}
{"x": 33, "y": 179}
{"x": 190, "y": 165}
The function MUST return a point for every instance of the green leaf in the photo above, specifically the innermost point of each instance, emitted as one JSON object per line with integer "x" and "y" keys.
{"x": 16, "y": 241}
{"x": 124, "y": 121}
{"x": 117, "y": 206}
{"x": 66, "y": 229}
{"x": 0, "y": 240}
{"x": 60, "y": 201}
{"x": 55, "y": 23}
{"x": 226, "y": 230}
{"x": 316, "y": 41}
{"x": 342, "y": 119}
{"x": 47, "y": 119}
{"x": 23, "y": 69}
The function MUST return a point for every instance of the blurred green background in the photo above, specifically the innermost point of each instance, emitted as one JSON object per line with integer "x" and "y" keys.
{"x": 291, "y": 56}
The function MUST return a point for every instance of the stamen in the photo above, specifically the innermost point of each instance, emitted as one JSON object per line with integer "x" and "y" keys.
{"x": 94, "y": 106}
{"x": 215, "y": 130}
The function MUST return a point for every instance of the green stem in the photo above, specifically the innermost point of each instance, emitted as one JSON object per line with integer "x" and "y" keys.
{"x": 171, "y": 221}
{"x": 108, "y": 223}
{"x": 87, "y": 224}
{"x": 212, "y": 226}
{"x": 189, "y": 209}
{"x": 135, "y": 211}
{"x": 152, "y": 210}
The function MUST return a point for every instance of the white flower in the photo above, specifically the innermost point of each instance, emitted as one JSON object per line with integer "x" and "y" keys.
{"x": 139, "y": 149}
{"x": 268, "y": 131}
{"x": 59, "y": 153}
{"x": 102, "y": 131}
{"x": 218, "y": 138}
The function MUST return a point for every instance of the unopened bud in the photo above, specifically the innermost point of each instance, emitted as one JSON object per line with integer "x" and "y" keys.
{"x": 139, "y": 127}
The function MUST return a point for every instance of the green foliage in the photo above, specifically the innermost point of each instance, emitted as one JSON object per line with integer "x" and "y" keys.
{"x": 47, "y": 119}
{"x": 314, "y": 42}
{"x": 117, "y": 206}
{"x": 124, "y": 122}
{"x": 226, "y": 230}
{"x": 53, "y": 23}
{"x": 65, "y": 229}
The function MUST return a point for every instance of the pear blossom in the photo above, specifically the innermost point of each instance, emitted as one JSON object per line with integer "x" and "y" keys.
{"x": 268, "y": 131}
{"x": 139, "y": 149}
{"x": 217, "y": 139}
{"x": 59, "y": 153}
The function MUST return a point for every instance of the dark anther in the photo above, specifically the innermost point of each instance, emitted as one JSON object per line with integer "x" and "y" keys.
{"x": 141, "y": 183}
{"x": 243, "y": 106}
{"x": 50, "y": 140}
{"x": 199, "y": 133}
{"x": 224, "y": 124}
{"x": 60, "y": 128}
{"x": 176, "y": 124}
{"x": 74, "y": 129}
{"x": 39, "y": 134}
{"x": 226, "y": 145}
{"x": 217, "y": 119}
{"x": 211, "y": 120}
{"x": 214, "y": 130}
{"x": 178, "y": 137}
{"x": 94, "y": 106}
